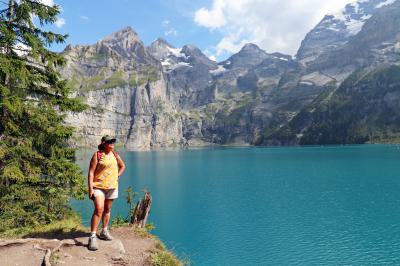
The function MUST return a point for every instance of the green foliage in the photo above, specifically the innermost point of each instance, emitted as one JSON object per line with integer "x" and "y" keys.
{"x": 150, "y": 226}
{"x": 288, "y": 134}
{"x": 161, "y": 255}
{"x": 136, "y": 81}
{"x": 229, "y": 116}
{"x": 164, "y": 258}
{"x": 98, "y": 57}
{"x": 73, "y": 84}
{"x": 119, "y": 221}
{"x": 149, "y": 74}
{"x": 116, "y": 80}
{"x": 130, "y": 196}
{"x": 37, "y": 170}
{"x": 92, "y": 83}
{"x": 363, "y": 109}
{"x": 193, "y": 115}
{"x": 69, "y": 226}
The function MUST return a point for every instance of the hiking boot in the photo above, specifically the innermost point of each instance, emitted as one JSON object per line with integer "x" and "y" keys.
{"x": 105, "y": 235}
{"x": 93, "y": 245}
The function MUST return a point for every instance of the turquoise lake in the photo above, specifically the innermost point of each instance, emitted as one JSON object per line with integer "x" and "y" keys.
{"x": 334, "y": 205}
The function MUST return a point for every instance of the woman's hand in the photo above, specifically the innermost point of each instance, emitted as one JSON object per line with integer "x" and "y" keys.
{"x": 91, "y": 193}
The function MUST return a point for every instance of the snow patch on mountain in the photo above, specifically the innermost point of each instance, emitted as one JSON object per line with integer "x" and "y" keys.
{"x": 386, "y": 3}
{"x": 354, "y": 15}
{"x": 335, "y": 30}
{"x": 221, "y": 69}
{"x": 177, "y": 52}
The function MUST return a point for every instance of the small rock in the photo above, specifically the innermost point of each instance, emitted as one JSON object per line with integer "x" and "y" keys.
{"x": 113, "y": 247}
{"x": 117, "y": 257}
{"x": 81, "y": 241}
{"x": 89, "y": 258}
{"x": 66, "y": 255}
{"x": 68, "y": 242}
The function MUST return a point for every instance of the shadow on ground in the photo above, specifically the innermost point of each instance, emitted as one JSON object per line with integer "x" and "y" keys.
{"x": 58, "y": 234}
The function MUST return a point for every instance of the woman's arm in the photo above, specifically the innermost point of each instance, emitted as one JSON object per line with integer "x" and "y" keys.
{"x": 121, "y": 166}
{"x": 92, "y": 168}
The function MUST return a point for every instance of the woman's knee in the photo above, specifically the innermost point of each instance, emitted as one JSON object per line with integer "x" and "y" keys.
{"x": 107, "y": 210}
{"x": 107, "y": 206}
{"x": 99, "y": 211}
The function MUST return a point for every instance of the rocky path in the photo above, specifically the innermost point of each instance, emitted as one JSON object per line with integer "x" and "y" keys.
{"x": 127, "y": 248}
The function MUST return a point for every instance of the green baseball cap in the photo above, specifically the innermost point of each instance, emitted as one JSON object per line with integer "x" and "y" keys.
{"x": 108, "y": 139}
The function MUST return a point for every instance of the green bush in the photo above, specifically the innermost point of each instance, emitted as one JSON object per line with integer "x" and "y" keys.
{"x": 164, "y": 258}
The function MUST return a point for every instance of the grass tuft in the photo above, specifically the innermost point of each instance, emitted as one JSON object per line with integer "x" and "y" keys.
{"x": 164, "y": 258}
{"x": 69, "y": 227}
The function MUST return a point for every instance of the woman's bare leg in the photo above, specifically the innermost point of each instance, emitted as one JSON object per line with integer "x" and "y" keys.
{"x": 107, "y": 211}
{"x": 98, "y": 213}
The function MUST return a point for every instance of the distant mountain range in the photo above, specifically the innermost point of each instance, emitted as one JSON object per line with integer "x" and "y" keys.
{"x": 341, "y": 87}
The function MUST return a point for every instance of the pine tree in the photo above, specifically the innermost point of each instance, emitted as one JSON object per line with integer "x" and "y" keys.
{"x": 38, "y": 175}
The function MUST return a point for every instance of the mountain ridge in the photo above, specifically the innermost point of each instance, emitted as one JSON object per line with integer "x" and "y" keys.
{"x": 249, "y": 98}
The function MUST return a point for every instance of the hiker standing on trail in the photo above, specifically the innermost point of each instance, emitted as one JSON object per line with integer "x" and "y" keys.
{"x": 104, "y": 171}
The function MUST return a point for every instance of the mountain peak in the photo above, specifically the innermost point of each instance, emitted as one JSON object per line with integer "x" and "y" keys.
{"x": 161, "y": 42}
{"x": 251, "y": 49}
{"x": 125, "y": 42}
{"x": 191, "y": 49}
{"x": 161, "y": 49}
{"x": 123, "y": 34}
{"x": 251, "y": 46}
{"x": 250, "y": 55}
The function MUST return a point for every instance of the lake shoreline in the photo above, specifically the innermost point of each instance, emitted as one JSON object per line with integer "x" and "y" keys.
{"x": 232, "y": 146}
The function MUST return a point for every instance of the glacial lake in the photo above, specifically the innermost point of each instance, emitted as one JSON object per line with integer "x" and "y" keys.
{"x": 333, "y": 205}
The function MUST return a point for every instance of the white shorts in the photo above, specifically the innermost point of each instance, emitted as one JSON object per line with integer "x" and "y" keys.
{"x": 106, "y": 193}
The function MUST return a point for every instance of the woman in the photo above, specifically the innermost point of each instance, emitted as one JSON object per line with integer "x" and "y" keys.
{"x": 104, "y": 171}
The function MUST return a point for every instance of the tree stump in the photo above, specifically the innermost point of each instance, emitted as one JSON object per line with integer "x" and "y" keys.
{"x": 141, "y": 211}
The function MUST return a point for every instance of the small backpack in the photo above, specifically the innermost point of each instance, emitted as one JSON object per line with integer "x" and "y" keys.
{"x": 99, "y": 154}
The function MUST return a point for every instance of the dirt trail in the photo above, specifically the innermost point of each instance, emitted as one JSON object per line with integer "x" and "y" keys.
{"x": 127, "y": 248}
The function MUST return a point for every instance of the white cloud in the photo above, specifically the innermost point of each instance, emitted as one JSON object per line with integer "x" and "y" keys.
{"x": 168, "y": 29}
{"x": 60, "y": 22}
{"x": 213, "y": 18}
{"x": 171, "y": 32}
{"x": 47, "y": 2}
{"x": 84, "y": 17}
{"x": 165, "y": 23}
{"x": 274, "y": 25}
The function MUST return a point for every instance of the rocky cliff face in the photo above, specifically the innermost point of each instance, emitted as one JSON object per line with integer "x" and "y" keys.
{"x": 187, "y": 71}
{"x": 161, "y": 96}
{"x": 126, "y": 90}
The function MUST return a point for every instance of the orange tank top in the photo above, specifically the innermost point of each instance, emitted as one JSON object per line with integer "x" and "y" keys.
{"x": 106, "y": 173}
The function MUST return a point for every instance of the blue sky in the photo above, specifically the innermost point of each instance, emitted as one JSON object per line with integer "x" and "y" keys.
{"x": 218, "y": 27}
{"x": 91, "y": 20}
